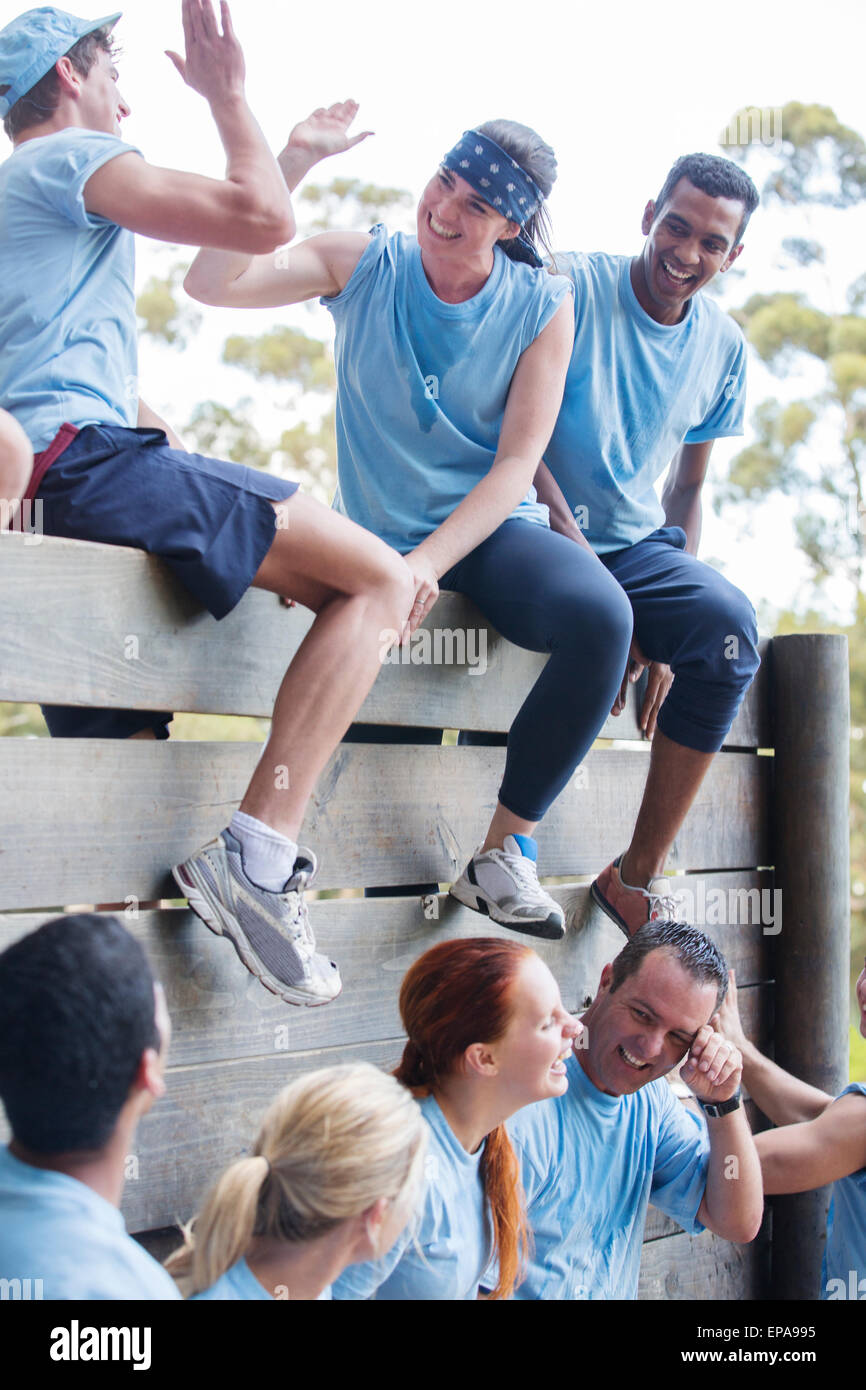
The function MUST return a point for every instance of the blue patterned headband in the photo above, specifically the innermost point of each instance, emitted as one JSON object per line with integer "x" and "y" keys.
{"x": 498, "y": 179}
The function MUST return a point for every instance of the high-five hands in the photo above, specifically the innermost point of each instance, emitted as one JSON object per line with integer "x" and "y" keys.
{"x": 326, "y": 131}
{"x": 714, "y": 1067}
{"x": 214, "y": 63}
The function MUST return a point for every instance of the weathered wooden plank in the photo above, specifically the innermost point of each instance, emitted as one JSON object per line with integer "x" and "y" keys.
{"x": 704, "y": 1267}
{"x": 101, "y": 625}
{"x": 219, "y": 1011}
{"x": 422, "y": 810}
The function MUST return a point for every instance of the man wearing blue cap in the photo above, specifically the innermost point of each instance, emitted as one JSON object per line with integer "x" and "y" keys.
{"x": 71, "y": 195}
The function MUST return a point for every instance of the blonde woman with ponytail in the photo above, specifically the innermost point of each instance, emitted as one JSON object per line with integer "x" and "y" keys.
{"x": 333, "y": 1179}
{"x": 487, "y": 1034}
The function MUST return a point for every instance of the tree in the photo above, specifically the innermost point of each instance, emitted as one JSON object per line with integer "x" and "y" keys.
{"x": 818, "y": 162}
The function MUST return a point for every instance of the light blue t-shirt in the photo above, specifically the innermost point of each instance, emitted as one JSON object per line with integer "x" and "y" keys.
{"x": 591, "y": 1164}
{"x": 845, "y": 1254}
{"x": 59, "y": 1239}
{"x": 637, "y": 390}
{"x": 444, "y": 1253}
{"x": 67, "y": 301}
{"x": 422, "y": 385}
{"x": 240, "y": 1284}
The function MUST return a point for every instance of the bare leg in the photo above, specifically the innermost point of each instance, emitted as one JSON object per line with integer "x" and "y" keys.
{"x": 675, "y": 775}
{"x": 361, "y": 591}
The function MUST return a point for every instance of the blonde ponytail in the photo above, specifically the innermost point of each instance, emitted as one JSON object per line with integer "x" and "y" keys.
{"x": 330, "y": 1145}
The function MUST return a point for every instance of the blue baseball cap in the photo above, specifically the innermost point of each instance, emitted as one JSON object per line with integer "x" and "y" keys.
{"x": 32, "y": 43}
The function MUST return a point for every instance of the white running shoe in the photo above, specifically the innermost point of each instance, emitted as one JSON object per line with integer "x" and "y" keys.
{"x": 271, "y": 932}
{"x": 503, "y": 885}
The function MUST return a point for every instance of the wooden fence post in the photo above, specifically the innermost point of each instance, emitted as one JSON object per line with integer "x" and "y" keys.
{"x": 809, "y": 834}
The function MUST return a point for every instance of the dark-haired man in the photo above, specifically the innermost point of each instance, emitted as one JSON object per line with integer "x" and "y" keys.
{"x": 83, "y": 1037}
{"x": 71, "y": 195}
{"x": 592, "y": 1160}
{"x": 657, "y": 374}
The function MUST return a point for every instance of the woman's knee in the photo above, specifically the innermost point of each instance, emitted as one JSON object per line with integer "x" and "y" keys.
{"x": 599, "y": 622}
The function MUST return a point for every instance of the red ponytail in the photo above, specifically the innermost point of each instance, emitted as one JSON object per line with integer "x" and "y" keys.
{"x": 454, "y": 995}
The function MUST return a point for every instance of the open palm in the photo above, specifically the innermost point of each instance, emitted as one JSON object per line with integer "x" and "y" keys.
{"x": 326, "y": 131}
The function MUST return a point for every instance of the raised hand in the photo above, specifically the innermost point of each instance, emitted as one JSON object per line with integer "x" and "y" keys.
{"x": 729, "y": 1015}
{"x": 714, "y": 1067}
{"x": 326, "y": 131}
{"x": 214, "y": 63}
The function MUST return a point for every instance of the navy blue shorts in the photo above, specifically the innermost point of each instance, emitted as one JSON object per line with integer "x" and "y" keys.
{"x": 211, "y": 522}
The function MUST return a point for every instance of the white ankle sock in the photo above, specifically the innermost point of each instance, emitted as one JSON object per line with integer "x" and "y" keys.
{"x": 268, "y": 857}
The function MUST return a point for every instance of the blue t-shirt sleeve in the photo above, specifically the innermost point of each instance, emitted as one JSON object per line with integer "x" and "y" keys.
{"x": 371, "y": 256}
{"x": 681, "y": 1162}
{"x": 725, "y": 417}
{"x": 61, "y": 169}
{"x": 556, "y": 289}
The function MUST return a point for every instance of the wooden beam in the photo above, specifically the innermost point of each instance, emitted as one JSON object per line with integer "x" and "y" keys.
{"x": 220, "y": 1012}
{"x": 422, "y": 811}
{"x": 811, "y": 845}
{"x": 89, "y": 624}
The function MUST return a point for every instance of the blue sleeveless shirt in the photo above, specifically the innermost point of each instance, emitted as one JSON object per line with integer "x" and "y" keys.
{"x": 422, "y": 385}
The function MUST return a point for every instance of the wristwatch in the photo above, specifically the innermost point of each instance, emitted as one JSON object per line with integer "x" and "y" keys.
{"x": 721, "y": 1107}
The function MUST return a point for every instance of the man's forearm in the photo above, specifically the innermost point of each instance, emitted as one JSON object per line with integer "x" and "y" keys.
{"x": 734, "y": 1196}
{"x": 683, "y": 508}
{"x": 250, "y": 163}
{"x": 561, "y": 517}
{"x": 782, "y": 1097}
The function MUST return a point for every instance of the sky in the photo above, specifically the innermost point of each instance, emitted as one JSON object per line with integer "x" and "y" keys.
{"x": 619, "y": 90}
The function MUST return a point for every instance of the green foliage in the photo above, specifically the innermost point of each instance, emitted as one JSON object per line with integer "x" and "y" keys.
{"x": 349, "y": 204}
{"x": 803, "y": 251}
{"x": 162, "y": 315}
{"x": 286, "y": 355}
{"x": 21, "y": 721}
{"x": 820, "y": 159}
{"x": 222, "y": 432}
{"x": 784, "y": 325}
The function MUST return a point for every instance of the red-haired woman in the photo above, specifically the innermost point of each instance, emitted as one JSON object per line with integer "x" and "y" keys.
{"x": 487, "y": 1034}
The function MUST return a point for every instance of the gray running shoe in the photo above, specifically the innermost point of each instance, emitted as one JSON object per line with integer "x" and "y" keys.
{"x": 502, "y": 884}
{"x": 271, "y": 932}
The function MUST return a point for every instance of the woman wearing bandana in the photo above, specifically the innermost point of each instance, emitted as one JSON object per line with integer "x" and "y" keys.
{"x": 451, "y": 353}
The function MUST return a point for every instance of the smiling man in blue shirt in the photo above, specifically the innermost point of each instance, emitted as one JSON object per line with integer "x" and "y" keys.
{"x": 594, "y": 1158}
{"x": 657, "y": 374}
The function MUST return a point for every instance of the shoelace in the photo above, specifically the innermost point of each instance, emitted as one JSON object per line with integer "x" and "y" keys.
{"x": 665, "y": 905}
{"x": 525, "y": 872}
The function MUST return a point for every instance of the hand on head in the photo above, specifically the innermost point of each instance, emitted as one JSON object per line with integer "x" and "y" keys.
{"x": 714, "y": 1067}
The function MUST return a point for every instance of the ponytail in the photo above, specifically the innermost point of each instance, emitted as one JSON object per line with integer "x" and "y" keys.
{"x": 331, "y": 1145}
{"x": 222, "y": 1233}
{"x": 500, "y": 1174}
{"x": 413, "y": 1072}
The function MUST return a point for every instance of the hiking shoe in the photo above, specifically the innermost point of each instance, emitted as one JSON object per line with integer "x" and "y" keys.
{"x": 503, "y": 885}
{"x": 632, "y": 908}
{"x": 271, "y": 932}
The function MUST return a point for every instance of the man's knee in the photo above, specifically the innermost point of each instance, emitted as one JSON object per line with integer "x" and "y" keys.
{"x": 730, "y": 631}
